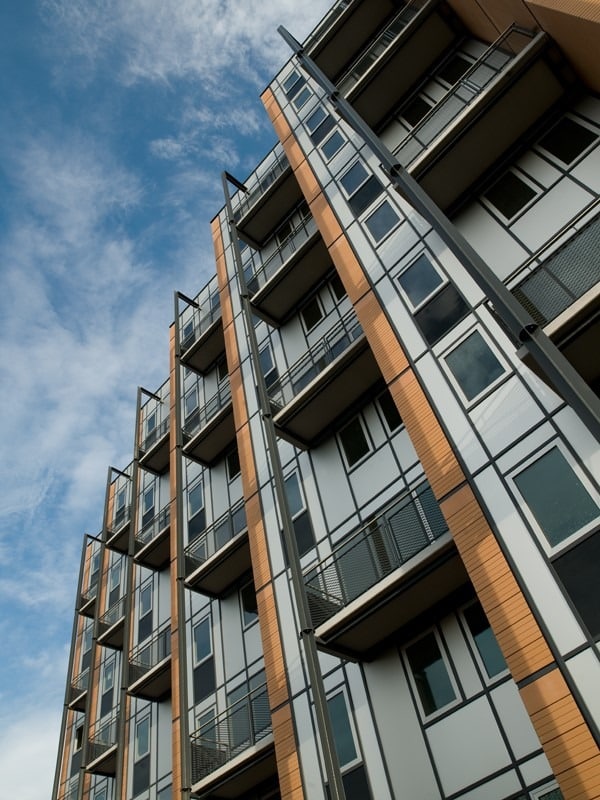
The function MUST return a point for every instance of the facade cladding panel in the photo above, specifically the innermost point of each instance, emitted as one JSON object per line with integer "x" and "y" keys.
{"x": 440, "y": 498}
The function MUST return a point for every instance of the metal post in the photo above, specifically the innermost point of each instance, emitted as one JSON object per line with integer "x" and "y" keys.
{"x": 307, "y": 633}
{"x": 567, "y": 381}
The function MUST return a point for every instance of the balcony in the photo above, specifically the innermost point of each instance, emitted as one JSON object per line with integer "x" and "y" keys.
{"x": 345, "y": 32}
{"x": 117, "y": 533}
{"x": 150, "y": 666}
{"x": 203, "y": 342}
{"x": 87, "y": 600}
{"x": 485, "y": 113}
{"x": 396, "y": 566}
{"x": 208, "y": 431}
{"x": 282, "y": 281}
{"x": 399, "y": 57}
{"x": 111, "y": 626}
{"x": 235, "y": 753}
{"x": 69, "y": 789}
{"x": 562, "y": 294}
{"x": 102, "y": 747}
{"x": 154, "y": 449}
{"x": 272, "y": 193}
{"x": 334, "y": 377}
{"x": 152, "y": 546}
{"x": 220, "y": 555}
{"x": 78, "y": 691}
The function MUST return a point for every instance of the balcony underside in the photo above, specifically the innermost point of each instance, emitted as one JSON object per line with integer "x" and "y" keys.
{"x": 118, "y": 540}
{"x": 273, "y": 205}
{"x": 424, "y": 40}
{"x": 156, "y": 459}
{"x": 104, "y": 764}
{"x": 332, "y": 395}
{"x": 233, "y": 779}
{"x": 207, "y": 349}
{"x": 111, "y": 635}
{"x": 367, "y": 622}
{"x": 349, "y": 34}
{"x": 490, "y": 125}
{"x": 217, "y": 574}
{"x": 154, "y": 684}
{"x": 283, "y": 292}
{"x": 156, "y": 553}
{"x": 213, "y": 438}
{"x": 87, "y": 606}
{"x": 77, "y": 699}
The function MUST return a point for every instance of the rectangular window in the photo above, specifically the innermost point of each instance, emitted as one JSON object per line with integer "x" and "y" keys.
{"x": 311, "y": 314}
{"x": 233, "y": 464}
{"x": 510, "y": 194}
{"x": 354, "y": 178}
{"x": 248, "y": 604}
{"x": 440, "y": 314}
{"x": 342, "y": 729}
{"x": 337, "y": 287}
{"x": 108, "y": 678}
{"x": 567, "y": 140}
{"x": 202, "y": 641}
{"x": 484, "y": 639}
{"x": 578, "y": 572}
{"x": 414, "y": 111}
{"x": 330, "y": 147}
{"x": 196, "y": 512}
{"x": 420, "y": 280}
{"x": 382, "y": 221}
{"x": 303, "y": 531}
{"x": 453, "y": 70}
{"x": 302, "y": 97}
{"x": 557, "y": 498}
{"x": 191, "y": 402}
{"x": 142, "y": 738}
{"x": 355, "y": 444}
{"x": 268, "y": 367}
{"x": 390, "y": 411}
{"x": 115, "y": 576}
{"x": 151, "y": 422}
{"x": 430, "y": 674}
{"x": 147, "y": 506}
{"x": 293, "y": 83}
{"x": 222, "y": 372}
{"x": 145, "y": 600}
{"x": 474, "y": 365}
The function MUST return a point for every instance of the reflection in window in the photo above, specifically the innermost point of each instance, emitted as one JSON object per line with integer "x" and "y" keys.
{"x": 474, "y": 365}
{"x": 484, "y": 639}
{"x": 430, "y": 674}
{"x": 202, "y": 641}
{"x": 354, "y": 441}
{"x": 342, "y": 731}
{"x": 381, "y": 221}
{"x": 419, "y": 280}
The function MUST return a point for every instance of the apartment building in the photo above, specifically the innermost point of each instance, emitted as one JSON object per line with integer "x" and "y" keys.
{"x": 355, "y": 553}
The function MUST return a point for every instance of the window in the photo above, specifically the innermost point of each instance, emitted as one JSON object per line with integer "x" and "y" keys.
{"x": 151, "y": 423}
{"x": 484, "y": 639}
{"x": 145, "y": 612}
{"x": 233, "y": 464}
{"x": 548, "y": 792}
{"x": 381, "y": 221}
{"x": 78, "y": 737}
{"x": 202, "y": 641}
{"x": 191, "y": 402}
{"x": 248, "y": 604}
{"x": 567, "y": 140}
{"x": 390, "y": 412}
{"x": 302, "y": 97}
{"x": 196, "y": 515}
{"x": 142, "y": 738}
{"x": 416, "y": 109}
{"x": 510, "y": 194}
{"x": 292, "y": 84}
{"x": 362, "y": 189}
{"x": 86, "y": 643}
{"x": 222, "y": 372}
{"x": 330, "y": 147}
{"x": 300, "y": 517}
{"x": 420, "y": 280}
{"x": 430, "y": 674}
{"x": 148, "y": 506}
{"x": 578, "y": 572}
{"x": 342, "y": 729}
{"x": 354, "y": 178}
{"x": 453, "y": 70}
{"x": 474, "y": 365}
{"x": 337, "y": 287}
{"x": 268, "y": 367}
{"x": 121, "y": 498}
{"x": 558, "y": 500}
{"x": 319, "y": 124}
{"x": 108, "y": 677}
{"x": 440, "y": 314}
{"x": 146, "y": 599}
{"x": 311, "y": 314}
{"x": 115, "y": 576}
{"x": 354, "y": 442}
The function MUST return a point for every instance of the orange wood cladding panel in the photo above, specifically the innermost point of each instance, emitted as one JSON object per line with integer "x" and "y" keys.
{"x": 125, "y": 753}
{"x": 272, "y": 648}
{"x": 288, "y": 767}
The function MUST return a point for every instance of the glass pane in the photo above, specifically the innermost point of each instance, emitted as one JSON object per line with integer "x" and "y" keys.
{"x": 364, "y": 197}
{"x": 420, "y": 280}
{"x": 557, "y": 498}
{"x": 484, "y": 639}
{"x": 294, "y": 498}
{"x": 142, "y": 738}
{"x": 416, "y": 110}
{"x": 249, "y": 607}
{"x": 315, "y": 119}
{"x": 202, "y": 646}
{"x": 342, "y": 732}
{"x": 381, "y": 221}
{"x": 145, "y": 600}
{"x": 430, "y": 674}
{"x": 441, "y": 314}
{"x": 301, "y": 98}
{"x": 312, "y": 314}
{"x": 474, "y": 365}
{"x": 354, "y": 442}
{"x": 390, "y": 412}
{"x": 509, "y": 194}
{"x": 567, "y": 140}
{"x": 355, "y": 176}
{"x": 332, "y": 145}
{"x": 195, "y": 499}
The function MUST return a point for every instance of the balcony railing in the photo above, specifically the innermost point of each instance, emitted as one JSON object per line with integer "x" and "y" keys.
{"x": 564, "y": 277}
{"x": 320, "y": 355}
{"x": 121, "y": 518}
{"x": 151, "y": 529}
{"x": 200, "y": 322}
{"x": 216, "y": 536}
{"x": 108, "y": 621}
{"x": 146, "y": 656}
{"x": 195, "y": 421}
{"x": 78, "y": 689}
{"x": 243, "y": 725}
{"x": 464, "y": 92}
{"x": 69, "y": 789}
{"x": 326, "y": 23}
{"x": 154, "y": 436}
{"x": 102, "y": 738}
{"x": 87, "y": 600}
{"x": 305, "y": 228}
{"x": 404, "y": 529}
{"x": 257, "y": 184}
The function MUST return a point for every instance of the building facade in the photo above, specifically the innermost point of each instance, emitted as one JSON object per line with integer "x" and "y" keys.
{"x": 358, "y": 542}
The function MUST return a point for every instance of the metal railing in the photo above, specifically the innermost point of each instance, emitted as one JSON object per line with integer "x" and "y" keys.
{"x": 410, "y": 524}
{"x": 121, "y": 518}
{"x": 90, "y": 592}
{"x": 147, "y": 655}
{"x": 201, "y": 416}
{"x": 215, "y": 537}
{"x": 201, "y": 320}
{"x": 79, "y": 684}
{"x": 464, "y": 92}
{"x": 69, "y": 789}
{"x": 267, "y": 172}
{"x": 320, "y": 355}
{"x": 154, "y": 436}
{"x": 565, "y": 276}
{"x": 242, "y": 725}
{"x": 151, "y": 529}
{"x": 102, "y": 736}
{"x": 377, "y": 47}
{"x": 115, "y": 613}
{"x": 326, "y": 23}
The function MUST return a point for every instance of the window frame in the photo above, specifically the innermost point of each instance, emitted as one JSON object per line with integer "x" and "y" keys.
{"x": 137, "y": 755}
{"x": 429, "y": 717}
{"x": 371, "y": 214}
{"x": 328, "y": 156}
{"x": 583, "y": 123}
{"x": 342, "y": 690}
{"x": 525, "y": 179}
{"x": 247, "y": 623}
{"x": 365, "y": 431}
{"x": 146, "y": 589}
{"x": 476, "y": 329}
{"x": 487, "y": 678}
{"x": 436, "y": 268}
{"x": 314, "y": 300}
{"x": 108, "y": 676}
{"x": 196, "y": 662}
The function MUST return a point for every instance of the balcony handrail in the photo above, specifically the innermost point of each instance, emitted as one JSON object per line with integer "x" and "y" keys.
{"x": 91, "y": 591}
{"x": 146, "y": 655}
{"x": 115, "y": 613}
{"x": 473, "y": 87}
{"x": 243, "y": 724}
{"x": 201, "y": 416}
{"x": 154, "y": 436}
{"x": 151, "y": 529}
{"x": 217, "y": 535}
{"x": 258, "y": 182}
{"x": 304, "y": 230}
{"x": 325, "y": 24}
{"x": 324, "y": 352}
{"x": 102, "y": 736}
{"x": 69, "y": 789}
{"x": 408, "y": 525}
{"x": 122, "y": 517}
{"x": 202, "y": 320}
{"x": 361, "y": 64}
{"x": 80, "y": 683}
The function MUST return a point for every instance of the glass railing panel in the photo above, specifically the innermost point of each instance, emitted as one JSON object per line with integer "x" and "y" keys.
{"x": 150, "y": 653}
{"x": 69, "y": 789}
{"x": 302, "y": 233}
{"x": 257, "y": 184}
{"x": 326, "y": 23}
{"x": 121, "y": 518}
{"x": 80, "y": 684}
{"x": 200, "y": 320}
{"x": 216, "y": 536}
{"x": 201, "y": 416}
{"x": 152, "y": 528}
{"x": 154, "y": 436}
{"x": 115, "y": 613}
{"x": 392, "y": 538}
{"x": 102, "y": 736}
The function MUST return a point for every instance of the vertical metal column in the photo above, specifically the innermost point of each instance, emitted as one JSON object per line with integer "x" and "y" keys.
{"x": 307, "y": 633}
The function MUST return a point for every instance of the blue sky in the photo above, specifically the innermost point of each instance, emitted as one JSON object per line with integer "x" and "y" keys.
{"x": 116, "y": 119}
